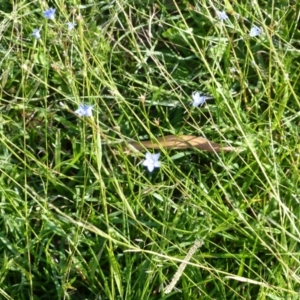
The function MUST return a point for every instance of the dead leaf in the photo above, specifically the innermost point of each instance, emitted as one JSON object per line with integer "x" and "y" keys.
{"x": 181, "y": 142}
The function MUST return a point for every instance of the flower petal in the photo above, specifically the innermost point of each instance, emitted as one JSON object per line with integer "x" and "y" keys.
{"x": 145, "y": 163}
{"x": 84, "y": 110}
{"x": 156, "y": 156}
{"x": 255, "y": 31}
{"x": 150, "y": 167}
{"x": 157, "y": 164}
{"x": 222, "y": 15}
{"x": 148, "y": 156}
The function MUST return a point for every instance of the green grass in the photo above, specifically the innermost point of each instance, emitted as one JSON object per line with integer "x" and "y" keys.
{"x": 81, "y": 218}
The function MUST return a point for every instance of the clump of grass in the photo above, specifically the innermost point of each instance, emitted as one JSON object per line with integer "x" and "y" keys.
{"x": 82, "y": 218}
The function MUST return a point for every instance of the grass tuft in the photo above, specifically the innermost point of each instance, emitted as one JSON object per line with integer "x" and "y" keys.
{"x": 82, "y": 218}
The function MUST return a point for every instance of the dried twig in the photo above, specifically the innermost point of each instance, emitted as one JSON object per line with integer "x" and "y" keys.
{"x": 182, "y": 266}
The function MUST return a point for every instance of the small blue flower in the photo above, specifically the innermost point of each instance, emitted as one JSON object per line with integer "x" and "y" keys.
{"x": 50, "y": 13}
{"x": 84, "y": 110}
{"x": 151, "y": 161}
{"x": 199, "y": 100}
{"x": 255, "y": 31}
{"x": 71, "y": 25}
{"x": 222, "y": 15}
{"x": 36, "y": 33}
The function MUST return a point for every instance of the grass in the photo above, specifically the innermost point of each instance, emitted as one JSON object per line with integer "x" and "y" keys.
{"x": 81, "y": 218}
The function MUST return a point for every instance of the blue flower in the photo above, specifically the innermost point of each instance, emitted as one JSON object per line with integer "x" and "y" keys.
{"x": 222, "y": 15}
{"x": 255, "y": 31}
{"x": 198, "y": 100}
{"x": 151, "y": 161}
{"x": 84, "y": 110}
{"x": 36, "y": 33}
{"x": 50, "y": 13}
{"x": 71, "y": 25}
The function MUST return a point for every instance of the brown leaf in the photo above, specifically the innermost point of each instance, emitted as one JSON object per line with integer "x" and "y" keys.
{"x": 182, "y": 142}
